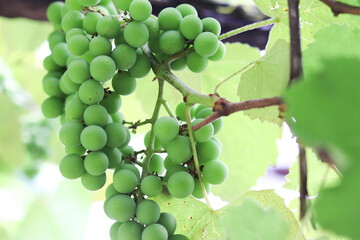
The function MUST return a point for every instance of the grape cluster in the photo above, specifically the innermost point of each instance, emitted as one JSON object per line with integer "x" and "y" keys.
{"x": 95, "y": 59}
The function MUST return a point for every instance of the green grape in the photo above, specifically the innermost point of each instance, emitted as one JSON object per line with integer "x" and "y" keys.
{"x": 63, "y": 88}
{"x": 117, "y": 117}
{"x": 110, "y": 191}
{"x": 54, "y": 38}
{"x": 151, "y": 186}
{"x": 60, "y": 54}
{"x": 74, "y": 109}
{"x": 105, "y": 2}
{"x": 191, "y": 26}
{"x": 207, "y": 112}
{"x": 88, "y": 56}
{"x": 50, "y": 65}
{"x": 96, "y": 163}
{"x": 178, "y": 237}
{"x": 217, "y": 141}
{"x": 72, "y": 166}
{"x": 91, "y": 92}
{"x": 121, "y": 207}
{"x": 204, "y": 133}
{"x": 70, "y": 133}
{"x": 169, "y": 19}
{"x": 130, "y": 167}
{"x": 93, "y": 183}
{"x": 96, "y": 115}
{"x": 154, "y": 232}
{"x": 93, "y": 138}
{"x": 78, "y": 150}
{"x": 78, "y": 45}
{"x": 124, "y": 56}
{"x": 220, "y": 53}
{"x": 180, "y": 111}
{"x": 111, "y": 8}
{"x": 199, "y": 108}
{"x": 157, "y": 144}
{"x": 78, "y": 71}
{"x": 114, "y": 155}
{"x": 100, "y": 45}
{"x": 130, "y": 230}
{"x": 198, "y": 193}
{"x": 148, "y": 212}
{"x": 90, "y": 21}
{"x": 127, "y": 151}
{"x": 68, "y": 84}
{"x": 116, "y": 134}
{"x": 102, "y": 68}
{"x": 73, "y": 4}
{"x": 156, "y": 164}
{"x": 166, "y": 128}
{"x": 179, "y": 149}
{"x": 123, "y": 83}
{"x": 154, "y": 45}
{"x": 89, "y": 3}
{"x": 211, "y": 25}
{"x": 102, "y": 10}
{"x": 70, "y": 59}
{"x": 174, "y": 169}
{"x": 108, "y": 27}
{"x": 206, "y": 44}
{"x": 207, "y": 151}
{"x": 120, "y": 39}
{"x": 72, "y": 19}
{"x": 181, "y": 184}
{"x": 168, "y": 163}
{"x": 112, "y": 102}
{"x": 123, "y": 4}
{"x": 140, "y": 10}
{"x": 51, "y": 86}
{"x": 141, "y": 68}
{"x": 128, "y": 138}
{"x": 114, "y": 230}
{"x": 74, "y": 32}
{"x": 171, "y": 42}
{"x": 186, "y": 9}
{"x": 53, "y": 12}
{"x": 168, "y": 221}
{"x": 55, "y": 74}
{"x": 136, "y": 34}
{"x": 179, "y": 64}
{"x": 71, "y": 97}
{"x": 215, "y": 172}
{"x": 125, "y": 181}
{"x": 196, "y": 63}
{"x": 153, "y": 27}
{"x": 52, "y": 107}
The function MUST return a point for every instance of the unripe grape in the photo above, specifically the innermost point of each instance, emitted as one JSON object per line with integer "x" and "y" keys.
{"x": 136, "y": 34}
{"x": 154, "y": 232}
{"x": 116, "y": 134}
{"x": 72, "y": 19}
{"x": 78, "y": 150}
{"x": 215, "y": 172}
{"x": 51, "y": 87}
{"x": 123, "y": 83}
{"x": 93, "y": 138}
{"x": 102, "y": 68}
{"x": 178, "y": 237}
{"x": 127, "y": 151}
{"x": 168, "y": 163}
{"x": 72, "y": 166}
{"x": 206, "y": 44}
{"x": 96, "y": 163}
{"x": 89, "y": 3}
{"x": 125, "y": 181}
{"x": 220, "y": 53}
{"x": 174, "y": 169}
{"x": 114, "y": 155}
{"x": 204, "y": 133}
{"x": 130, "y": 167}
{"x": 179, "y": 64}
{"x": 130, "y": 230}
{"x": 128, "y": 138}
{"x": 207, "y": 151}
{"x": 166, "y": 128}
{"x": 180, "y": 111}
{"x": 60, "y": 54}
{"x": 211, "y": 25}
{"x": 73, "y": 32}
{"x": 114, "y": 230}
{"x": 90, "y": 21}
{"x": 181, "y": 184}
{"x": 198, "y": 193}
{"x": 123, "y": 4}
{"x": 148, "y": 212}
{"x": 50, "y": 65}
{"x": 179, "y": 149}
{"x": 110, "y": 191}
{"x": 151, "y": 186}
{"x": 169, "y": 18}
{"x": 171, "y": 42}
{"x": 55, "y": 37}
{"x": 156, "y": 164}
{"x": 68, "y": 84}
{"x": 70, "y": 133}
{"x": 207, "y": 112}
{"x": 52, "y": 107}
{"x": 53, "y": 12}
{"x": 186, "y": 9}
{"x": 118, "y": 117}
{"x": 112, "y": 102}
{"x": 78, "y": 45}
{"x": 108, "y": 27}
{"x": 74, "y": 109}
{"x": 100, "y": 45}
{"x": 217, "y": 141}
{"x": 91, "y": 92}
{"x": 121, "y": 207}
{"x": 124, "y": 56}
{"x": 140, "y": 10}
{"x": 196, "y": 63}
{"x": 141, "y": 67}
{"x": 93, "y": 183}
{"x": 191, "y": 26}
{"x": 168, "y": 221}
{"x": 153, "y": 27}
{"x": 157, "y": 144}
{"x": 78, "y": 71}
{"x": 95, "y": 115}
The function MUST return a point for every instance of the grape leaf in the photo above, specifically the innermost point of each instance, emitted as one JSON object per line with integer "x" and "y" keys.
{"x": 313, "y": 16}
{"x": 267, "y": 77}
{"x": 197, "y": 221}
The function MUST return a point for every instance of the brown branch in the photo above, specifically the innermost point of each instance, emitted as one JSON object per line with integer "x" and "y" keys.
{"x": 326, "y": 158}
{"x": 338, "y": 7}
{"x": 303, "y": 181}
{"x": 224, "y": 108}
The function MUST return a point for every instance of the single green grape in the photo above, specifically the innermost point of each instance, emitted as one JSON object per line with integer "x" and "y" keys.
{"x": 208, "y": 151}
{"x": 174, "y": 169}
{"x": 168, "y": 221}
{"x": 186, "y": 9}
{"x": 68, "y": 84}
{"x": 128, "y": 138}
{"x": 130, "y": 167}
{"x": 178, "y": 237}
{"x": 74, "y": 32}
{"x": 52, "y": 107}
{"x": 217, "y": 141}
{"x": 171, "y": 42}
{"x": 123, "y": 4}
{"x": 72, "y": 19}
{"x": 95, "y": 115}
{"x": 179, "y": 149}
{"x": 130, "y": 230}
{"x": 89, "y": 3}
{"x": 198, "y": 193}
{"x": 141, "y": 67}
{"x": 157, "y": 143}
{"x": 121, "y": 207}
{"x": 114, "y": 230}
{"x": 127, "y": 151}
{"x": 120, "y": 39}
{"x": 116, "y": 134}
{"x": 112, "y": 102}
{"x": 100, "y": 45}
{"x": 181, "y": 184}
{"x": 51, "y": 86}
{"x": 74, "y": 109}
{"x": 153, "y": 27}
{"x": 124, "y": 56}
{"x": 118, "y": 117}
{"x": 168, "y": 163}
{"x": 88, "y": 56}
{"x": 53, "y": 12}
{"x": 78, "y": 71}
{"x": 93, "y": 183}
{"x": 204, "y": 133}
{"x": 215, "y": 172}
{"x": 156, "y": 164}
{"x": 96, "y": 163}
{"x": 78, "y": 150}
{"x": 151, "y": 186}
{"x": 55, "y": 37}
{"x": 90, "y": 21}
{"x": 93, "y": 138}
{"x": 102, "y": 68}
{"x": 220, "y": 53}
{"x": 136, "y": 34}
{"x": 211, "y": 25}
{"x": 140, "y": 10}
{"x": 148, "y": 212}
{"x": 207, "y": 112}
{"x": 206, "y": 44}
{"x": 125, "y": 181}
{"x": 72, "y": 166}
{"x": 191, "y": 26}
{"x": 166, "y": 128}
{"x": 50, "y": 65}
{"x": 110, "y": 191}
{"x": 179, "y": 64}
{"x": 91, "y": 92}
{"x": 196, "y": 63}
{"x": 180, "y": 111}
{"x": 169, "y": 19}
{"x": 154, "y": 232}
{"x": 114, "y": 155}
{"x": 123, "y": 83}
{"x": 78, "y": 45}
{"x": 60, "y": 54}
{"x": 108, "y": 26}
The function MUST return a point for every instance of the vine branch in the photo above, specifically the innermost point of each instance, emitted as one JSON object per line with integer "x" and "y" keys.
{"x": 303, "y": 182}
{"x": 338, "y": 7}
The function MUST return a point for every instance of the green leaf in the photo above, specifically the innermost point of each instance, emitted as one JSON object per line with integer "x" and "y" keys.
{"x": 197, "y": 221}
{"x": 313, "y": 16}
{"x": 267, "y": 77}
